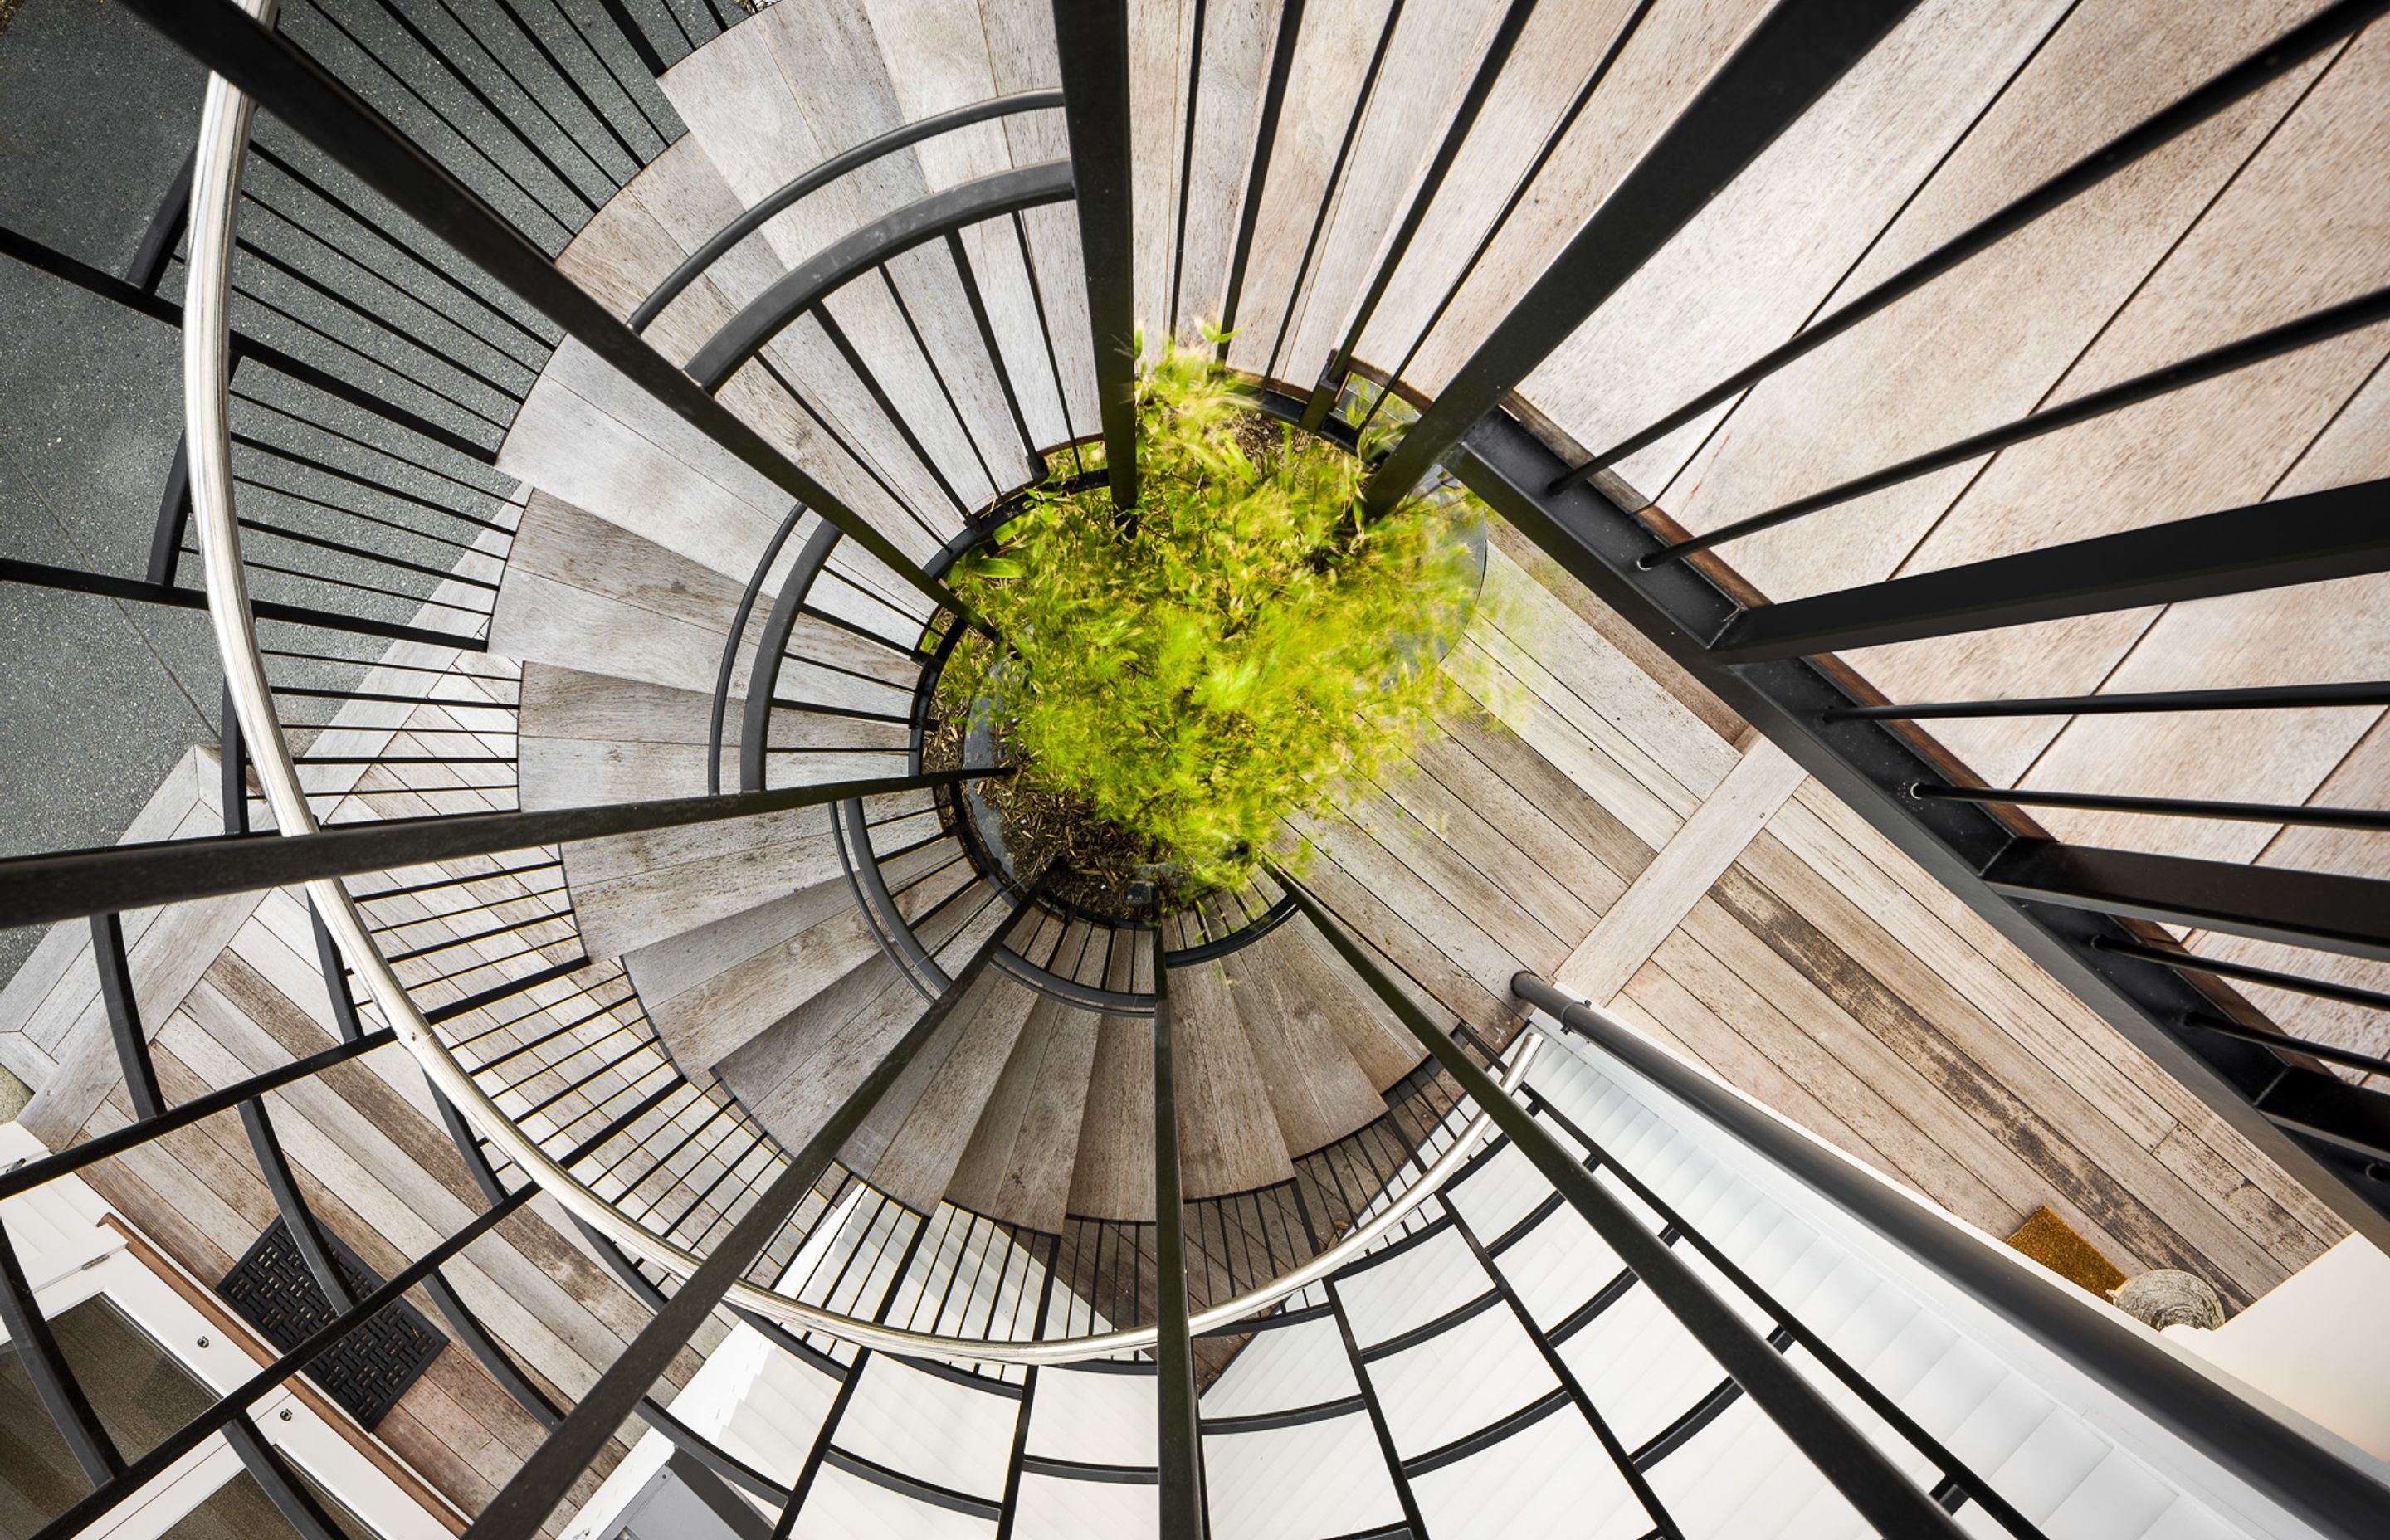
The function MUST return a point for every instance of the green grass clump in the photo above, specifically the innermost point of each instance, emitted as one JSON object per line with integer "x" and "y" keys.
{"x": 1237, "y": 648}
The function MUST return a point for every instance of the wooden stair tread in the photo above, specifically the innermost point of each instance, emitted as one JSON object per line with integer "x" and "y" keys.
{"x": 1112, "y": 1176}
{"x": 1317, "y": 1091}
{"x": 918, "y": 1163}
{"x": 1017, "y": 1162}
{"x": 713, "y": 988}
{"x": 1228, "y": 1135}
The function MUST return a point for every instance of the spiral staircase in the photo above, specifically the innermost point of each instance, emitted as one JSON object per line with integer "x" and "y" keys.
{"x": 583, "y": 404}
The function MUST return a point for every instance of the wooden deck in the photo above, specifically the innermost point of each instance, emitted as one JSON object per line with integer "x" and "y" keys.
{"x": 230, "y": 988}
{"x": 1610, "y": 835}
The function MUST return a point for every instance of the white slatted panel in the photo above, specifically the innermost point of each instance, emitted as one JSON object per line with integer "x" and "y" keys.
{"x": 1102, "y": 1418}
{"x": 925, "y": 1426}
{"x": 1293, "y": 1366}
{"x": 1298, "y": 1483}
{"x": 1412, "y": 1288}
{"x": 1459, "y": 1381}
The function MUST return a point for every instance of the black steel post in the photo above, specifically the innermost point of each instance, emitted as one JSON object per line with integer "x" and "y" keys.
{"x": 1179, "y": 1438}
{"x": 38, "y": 889}
{"x": 2165, "y": 807}
{"x": 1786, "y": 63}
{"x": 524, "y": 1502}
{"x": 124, "y": 1015}
{"x": 53, "y": 1379}
{"x": 1092, "y": 37}
{"x": 2316, "y": 536}
{"x": 1456, "y": 134}
{"x": 306, "y": 1234}
{"x": 2375, "y": 692}
{"x": 48, "y": 1168}
{"x": 282, "y": 1488}
{"x": 283, "y": 80}
{"x": 2303, "y": 908}
{"x": 2302, "y": 1476}
{"x": 77, "y": 580}
{"x": 1857, "y": 1470}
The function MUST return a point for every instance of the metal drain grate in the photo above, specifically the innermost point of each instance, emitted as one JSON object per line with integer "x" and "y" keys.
{"x": 369, "y": 1369}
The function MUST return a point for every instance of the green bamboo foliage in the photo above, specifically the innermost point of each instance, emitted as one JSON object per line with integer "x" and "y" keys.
{"x": 1237, "y": 649}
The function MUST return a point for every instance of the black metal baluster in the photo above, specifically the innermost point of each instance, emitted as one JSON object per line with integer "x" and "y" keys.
{"x": 1092, "y": 39}
{"x": 66, "y": 885}
{"x": 1856, "y": 1467}
{"x": 2278, "y": 59}
{"x": 1796, "y": 54}
{"x": 1327, "y": 200}
{"x": 523, "y": 1504}
{"x": 1456, "y": 134}
{"x": 1179, "y": 1433}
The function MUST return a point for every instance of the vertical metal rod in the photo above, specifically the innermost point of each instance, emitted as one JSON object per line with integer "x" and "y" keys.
{"x": 1180, "y": 1437}
{"x": 896, "y": 420}
{"x": 1011, "y": 1504}
{"x": 124, "y": 1016}
{"x": 1092, "y": 37}
{"x": 1870, "y": 1482}
{"x": 1290, "y": 29}
{"x": 1662, "y": 1525}
{"x": 1552, "y": 140}
{"x": 1192, "y": 100}
{"x": 1046, "y": 335}
{"x": 274, "y": 1477}
{"x": 232, "y": 767}
{"x": 165, "y": 231}
{"x": 1792, "y": 57}
{"x": 1489, "y": 70}
{"x": 1327, "y": 200}
{"x": 173, "y": 515}
{"x": 53, "y": 1376}
{"x": 961, "y": 256}
{"x": 524, "y": 1502}
{"x": 270, "y": 70}
{"x": 2269, "y": 63}
{"x": 297, "y": 1217}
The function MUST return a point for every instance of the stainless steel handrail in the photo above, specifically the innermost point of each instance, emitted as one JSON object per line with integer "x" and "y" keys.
{"x": 2274, "y": 1459}
{"x": 222, "y": 146}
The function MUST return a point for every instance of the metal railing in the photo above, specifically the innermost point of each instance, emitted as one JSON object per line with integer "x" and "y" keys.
{"x": 588, "y": 1107}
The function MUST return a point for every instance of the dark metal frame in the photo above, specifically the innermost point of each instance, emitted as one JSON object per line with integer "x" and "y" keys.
{"x": 1091, "y": 38}
{"x": 1844, "y": 1455}
{"x": 1749, "y": 655}
{"x": 2288, "y": 1468}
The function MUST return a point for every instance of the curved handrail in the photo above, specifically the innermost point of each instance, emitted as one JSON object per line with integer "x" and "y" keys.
{"x": 812, "y": 280}
{"x": 206, "y": 391}
{"x": 823, "y": 176}
{"x": 2304, "y": 1476}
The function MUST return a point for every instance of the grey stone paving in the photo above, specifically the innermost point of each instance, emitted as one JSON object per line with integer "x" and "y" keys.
{"x": 96, "y": 702}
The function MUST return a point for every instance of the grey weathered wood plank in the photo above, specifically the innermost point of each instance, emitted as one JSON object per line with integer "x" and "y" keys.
{"x": 1017, "y": 1164}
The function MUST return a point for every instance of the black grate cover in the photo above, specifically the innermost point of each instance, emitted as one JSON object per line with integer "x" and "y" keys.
{"x": 369, "y": 1369}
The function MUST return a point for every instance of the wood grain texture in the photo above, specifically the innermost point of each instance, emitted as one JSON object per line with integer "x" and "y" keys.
{"x": 1686, "y": 868}
{"x": 1228, "y": 1134}
{"x": 1113, "y": 1176}
{"x": 919, "y": 1164}
{"x": 1318, "y": 1092}
{"x": 1017, "y": 1163}
{"x": 2225, "y": 442}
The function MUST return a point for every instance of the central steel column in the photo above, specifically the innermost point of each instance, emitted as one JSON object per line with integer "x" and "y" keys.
{"x": 1179, "y": 1437}
{"x": 1092, "y": 38}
